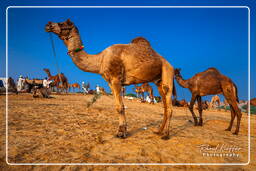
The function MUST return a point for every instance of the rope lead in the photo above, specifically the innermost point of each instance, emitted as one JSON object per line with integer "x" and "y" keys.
{"x": 54, "y": 54}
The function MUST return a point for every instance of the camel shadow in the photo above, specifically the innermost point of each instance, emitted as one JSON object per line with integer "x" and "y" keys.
{"x": 175, "y": 131}
{"x": 137, "y": 130}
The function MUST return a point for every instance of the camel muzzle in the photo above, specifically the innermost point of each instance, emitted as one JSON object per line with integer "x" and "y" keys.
{"x": 48, "y": 27}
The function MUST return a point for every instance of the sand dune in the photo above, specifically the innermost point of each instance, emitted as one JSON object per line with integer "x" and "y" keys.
{"x": 63, "y": 130}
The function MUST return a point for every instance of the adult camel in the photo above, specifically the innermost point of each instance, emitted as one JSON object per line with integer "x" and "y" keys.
{"x": 211, "y": 82}
{"x": 74, "y": 86}
{"x": 215, "y": 101}
{"x": 60, "y": 81}
{"x": 121, "y": 65}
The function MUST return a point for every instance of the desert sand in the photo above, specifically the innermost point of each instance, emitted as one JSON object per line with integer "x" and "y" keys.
{"x": 63, "y": 130}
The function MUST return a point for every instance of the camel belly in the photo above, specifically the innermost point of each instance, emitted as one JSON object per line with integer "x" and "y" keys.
{"x": 141, "y": 72}
{"x": 210, "y": 89}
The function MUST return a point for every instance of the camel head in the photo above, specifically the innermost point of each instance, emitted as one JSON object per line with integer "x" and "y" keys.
{"x": 62, "y": 29}
{"x": 46, "y": 70}
{"x": 177, "y": 72}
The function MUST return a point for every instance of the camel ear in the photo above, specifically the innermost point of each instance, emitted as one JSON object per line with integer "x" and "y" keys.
{"x": 69, "y": 22}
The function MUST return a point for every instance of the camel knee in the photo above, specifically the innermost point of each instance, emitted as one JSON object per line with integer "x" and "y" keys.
{"x": 190, "y": 108}
{"x": 120, "y": 109}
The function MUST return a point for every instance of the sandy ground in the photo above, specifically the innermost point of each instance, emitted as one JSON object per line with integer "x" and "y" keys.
{"x": 63, "y": 130}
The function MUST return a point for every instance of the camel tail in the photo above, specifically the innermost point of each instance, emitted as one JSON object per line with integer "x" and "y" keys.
{"x": 236, "y": 93}
{"x": 174, "y": 92}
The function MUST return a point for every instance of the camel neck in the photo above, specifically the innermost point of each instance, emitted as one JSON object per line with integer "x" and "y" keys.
{"x": 49, "y": 74}
{"x": 83, "y": 60}
{"x": 182, "y": 82}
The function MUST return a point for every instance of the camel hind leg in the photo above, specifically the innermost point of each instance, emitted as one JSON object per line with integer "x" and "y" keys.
{"x": 166, "y": 89}
{"x": 230, "y": 96}
{"x": 233, "y": 115}
{"x": 161, "y": 92}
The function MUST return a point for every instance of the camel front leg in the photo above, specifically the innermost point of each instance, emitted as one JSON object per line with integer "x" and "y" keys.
{"x": 200, "y": 110}
{"x": 191, "y": 107}
{"x": 233, "y": 115}
{"x": 116, "y": 89}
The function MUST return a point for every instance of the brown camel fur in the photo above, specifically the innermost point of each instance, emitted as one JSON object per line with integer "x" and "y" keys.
{"x": 60, "y": 81}
{"x": 74, "y": 86}
{"x": 143, "y": 89}
{"x": 211, "y": 82}
{"x": 121, "y": 65}
{"x": 179, "y": 103}
{"x": 11, "y": 85}
{"x": 253, "y": 102}
{"x": 102, "y": 91}
{"x": 136, "y": 89}
{"x": 214, "y": 101}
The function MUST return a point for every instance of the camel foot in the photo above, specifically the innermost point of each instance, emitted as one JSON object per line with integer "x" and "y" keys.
{"x": 200, "y": 124}
{"x": 228, "y": 129}
{"x": 235, "y": 133}
{"x": 121, "y": 135}
{"x": 165, "y": 137}
{"x": 122, "y": 132}
{"x": 195, "y": 124}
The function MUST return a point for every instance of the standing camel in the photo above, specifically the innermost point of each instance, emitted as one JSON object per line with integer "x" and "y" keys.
{"x": 60, "y": 81}
{"x": 74, "y": 86}
{"x": 215, "y": 101}
{"x": 211, "y": 82}
{"x": 121, "y": 65}
{"x": 253, "y": 102}
{"x": 143, "y": 89}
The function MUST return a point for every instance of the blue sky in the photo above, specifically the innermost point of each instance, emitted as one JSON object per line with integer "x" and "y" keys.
{"x": 190, "y": 39}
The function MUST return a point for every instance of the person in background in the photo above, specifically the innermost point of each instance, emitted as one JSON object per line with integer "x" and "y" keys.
{"x": 45, "y": 82}
{"x": 20, "y": 84}
{"x": 97, "y": 89}
{"x": 85, "y": 88}
{"x": 148, "y": 99}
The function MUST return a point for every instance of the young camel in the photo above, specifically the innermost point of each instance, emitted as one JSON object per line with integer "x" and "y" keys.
{"x": 121, "y": 65}
{"x": 211, "y": 82}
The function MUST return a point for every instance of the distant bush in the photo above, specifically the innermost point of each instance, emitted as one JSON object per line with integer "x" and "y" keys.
{"x": 131, "y": 95}
{"x": 93, "y": 100}
{"x": 253, "y": 109}
{"x": 244, "y": 108}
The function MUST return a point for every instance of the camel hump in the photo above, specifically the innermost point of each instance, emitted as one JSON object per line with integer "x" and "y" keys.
{"x": 141, "y": 41}
{"x": 213, "y": 69}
